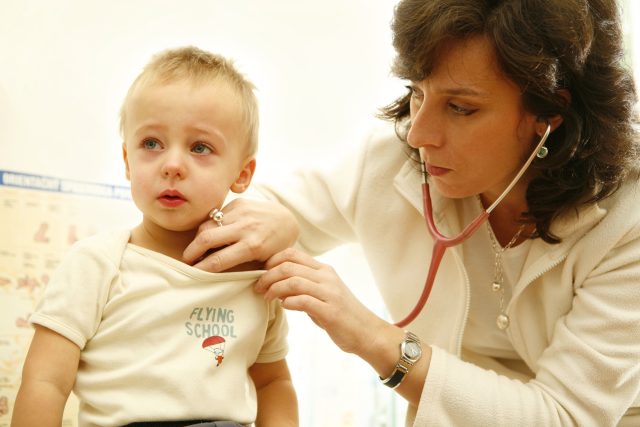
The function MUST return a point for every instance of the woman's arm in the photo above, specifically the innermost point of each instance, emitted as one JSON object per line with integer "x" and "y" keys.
{"x": 587, "y": 375}
{"x": 47, "y": 379}
{"x": 305, "y": 284}
{"x": 277, "y": 402}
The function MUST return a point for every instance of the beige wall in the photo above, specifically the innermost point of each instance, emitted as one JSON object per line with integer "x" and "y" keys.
{"x": 321, "y": 69}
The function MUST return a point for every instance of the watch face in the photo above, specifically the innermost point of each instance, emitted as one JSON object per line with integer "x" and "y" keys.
{"x": 412, "y": 350}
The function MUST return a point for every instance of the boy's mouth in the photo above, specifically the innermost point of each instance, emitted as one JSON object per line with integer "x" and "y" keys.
{"x": 171, "y": 198}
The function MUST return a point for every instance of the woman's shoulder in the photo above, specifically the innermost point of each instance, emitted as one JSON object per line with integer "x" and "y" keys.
{"x": 623, "y": 206}
{"x": 626, "y": 197}
{"x": 383, "y": 138}
{"x": 384, "y": 152}
{"x": 615, "y": 215}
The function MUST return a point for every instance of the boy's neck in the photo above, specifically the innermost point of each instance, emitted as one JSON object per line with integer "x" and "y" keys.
{"x": 167, "y": 242}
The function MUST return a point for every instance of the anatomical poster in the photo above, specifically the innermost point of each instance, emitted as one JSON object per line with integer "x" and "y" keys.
{"x": 40, "y": 218}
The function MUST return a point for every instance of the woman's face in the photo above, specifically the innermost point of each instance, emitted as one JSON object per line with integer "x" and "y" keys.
{"x": 469, "y": 124}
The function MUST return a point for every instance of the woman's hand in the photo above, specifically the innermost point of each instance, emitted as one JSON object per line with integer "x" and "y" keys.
{"x": 305, "y": 284}
{"x": 252, "y": 230}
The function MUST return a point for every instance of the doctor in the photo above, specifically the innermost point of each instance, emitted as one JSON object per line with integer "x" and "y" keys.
{"x": 534, "y": 320}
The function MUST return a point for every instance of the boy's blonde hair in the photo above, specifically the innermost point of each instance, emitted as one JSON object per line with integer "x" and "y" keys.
{"x": 197, "y": 65}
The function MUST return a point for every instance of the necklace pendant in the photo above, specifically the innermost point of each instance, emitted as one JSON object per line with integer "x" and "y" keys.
{"x": 496, "y": 286}
{"x": 502, "y": 321}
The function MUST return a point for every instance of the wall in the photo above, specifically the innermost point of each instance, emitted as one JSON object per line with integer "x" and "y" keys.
{"x": 321, "y": 69}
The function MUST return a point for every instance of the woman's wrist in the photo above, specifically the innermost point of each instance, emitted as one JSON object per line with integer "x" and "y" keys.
{"x": 382, "y": 352}
{"x": 381, "y": 347}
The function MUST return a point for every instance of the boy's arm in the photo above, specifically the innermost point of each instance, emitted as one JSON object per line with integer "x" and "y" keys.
{"x": 47, "y": 379}
{"x": 277, "y": 402}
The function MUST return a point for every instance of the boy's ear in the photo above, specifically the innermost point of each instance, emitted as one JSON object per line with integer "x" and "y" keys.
{"x": 126, "y": 162}
{"x": 244, "y": 177}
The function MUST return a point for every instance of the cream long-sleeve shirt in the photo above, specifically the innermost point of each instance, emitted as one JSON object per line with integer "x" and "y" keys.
{"x": 575, "y": 310}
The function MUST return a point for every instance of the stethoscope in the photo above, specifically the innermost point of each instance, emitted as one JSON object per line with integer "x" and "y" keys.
{"x": 441, "y": 242}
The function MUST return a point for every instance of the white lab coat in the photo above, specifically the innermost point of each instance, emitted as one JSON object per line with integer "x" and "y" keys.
{"x": 575, "y": 311}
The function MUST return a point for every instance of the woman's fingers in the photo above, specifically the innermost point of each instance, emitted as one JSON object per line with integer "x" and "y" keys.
{"x": 209, "y": 236}
{"x": 293, "y": 255}
{"x": 304, "y": 284}
{"x": 225, "y": 258}
{"x": 289, "y": 265}
{"x": 294, "y": 279}
{"x": 251, "y": 230}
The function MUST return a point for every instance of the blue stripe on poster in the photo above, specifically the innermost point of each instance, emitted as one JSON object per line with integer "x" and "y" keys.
{"x": 47, "y": 183}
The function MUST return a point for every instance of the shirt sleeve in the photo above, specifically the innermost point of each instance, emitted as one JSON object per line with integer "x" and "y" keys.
{"x": 275, "y": 345}
{"x": 74, "y": 297}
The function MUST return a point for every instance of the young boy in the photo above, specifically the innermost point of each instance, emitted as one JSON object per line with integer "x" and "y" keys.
{"x": 141, "y": 337}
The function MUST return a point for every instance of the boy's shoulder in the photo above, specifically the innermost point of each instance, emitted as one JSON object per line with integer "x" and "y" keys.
{"x": 109, "y": 243}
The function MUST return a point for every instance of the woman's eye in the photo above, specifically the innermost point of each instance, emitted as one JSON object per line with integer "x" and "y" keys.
{"x": 416, "y": 94}
{"x": 151, "y": 144}
{"x": 201, "y": 148}
{"x": 461, "y": 110}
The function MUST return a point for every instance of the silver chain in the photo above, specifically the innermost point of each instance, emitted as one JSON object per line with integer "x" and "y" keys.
{"x": 502, "y": 321}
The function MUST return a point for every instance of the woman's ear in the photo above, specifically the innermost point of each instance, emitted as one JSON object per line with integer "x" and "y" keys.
{"x": 555, "y": 120}
{"x": 126, "y": 162}
{"x": 244, "y": 177}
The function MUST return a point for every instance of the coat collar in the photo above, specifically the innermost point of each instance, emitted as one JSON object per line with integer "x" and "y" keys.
{"x": 408, "y": 182}
{"x": 569, "y": 227}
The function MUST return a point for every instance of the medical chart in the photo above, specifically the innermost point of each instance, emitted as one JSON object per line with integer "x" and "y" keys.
{"x": 40, "y": 217}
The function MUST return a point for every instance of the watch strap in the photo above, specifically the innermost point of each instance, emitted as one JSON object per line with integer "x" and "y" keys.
{"x": 396, "y": 376}
{"x": 404, "y": 364}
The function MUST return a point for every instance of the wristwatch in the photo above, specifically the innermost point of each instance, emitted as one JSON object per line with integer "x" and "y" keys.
{"x": 410, "y": 353}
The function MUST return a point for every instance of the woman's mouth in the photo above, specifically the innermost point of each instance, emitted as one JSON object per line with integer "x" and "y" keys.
{"x": 435, "y": 170}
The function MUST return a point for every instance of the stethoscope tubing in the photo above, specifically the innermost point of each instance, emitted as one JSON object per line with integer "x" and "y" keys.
{"x": 442, "y": 242}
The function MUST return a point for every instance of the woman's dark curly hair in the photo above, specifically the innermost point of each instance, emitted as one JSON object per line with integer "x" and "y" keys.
{"x": 545, "y": 47}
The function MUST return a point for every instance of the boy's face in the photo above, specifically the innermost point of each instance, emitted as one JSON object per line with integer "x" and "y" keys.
{"x": 184, "y": 149}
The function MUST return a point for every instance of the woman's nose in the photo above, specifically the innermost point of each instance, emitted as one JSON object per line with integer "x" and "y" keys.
{"x": 426, "y": 129}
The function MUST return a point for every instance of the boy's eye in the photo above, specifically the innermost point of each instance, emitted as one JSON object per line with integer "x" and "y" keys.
{"x": 151, "y": 144}
{"x": 200, "y": 148}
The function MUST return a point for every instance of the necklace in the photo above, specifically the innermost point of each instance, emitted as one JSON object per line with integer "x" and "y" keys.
{"x": 502, "y": 321}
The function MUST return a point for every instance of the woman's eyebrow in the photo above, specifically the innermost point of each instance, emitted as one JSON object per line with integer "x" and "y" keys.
{"x": 464, "y": 91}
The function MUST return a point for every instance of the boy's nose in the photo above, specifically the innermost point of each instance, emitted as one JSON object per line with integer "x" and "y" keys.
{"x": 174, "y": 165}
